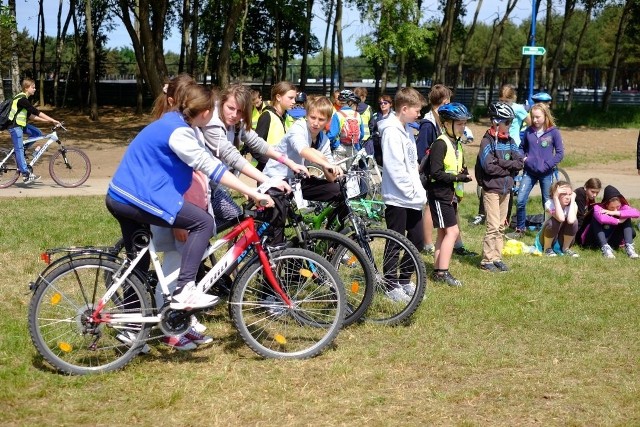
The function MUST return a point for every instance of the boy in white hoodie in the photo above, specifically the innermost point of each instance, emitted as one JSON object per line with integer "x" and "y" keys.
{"x": 402, "y": 191}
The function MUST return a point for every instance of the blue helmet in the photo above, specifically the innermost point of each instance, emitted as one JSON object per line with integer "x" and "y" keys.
{"x": 541, "y": 97}
{"x": 454, "y": 111}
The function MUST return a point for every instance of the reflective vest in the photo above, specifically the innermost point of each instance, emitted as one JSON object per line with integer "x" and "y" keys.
{"x": 22, "y": 115}
{"x": 255, "y": 114}
{"x": 453, "y": 163}
{"x": 366, "y": 117}
{"x": 276, "y": 129}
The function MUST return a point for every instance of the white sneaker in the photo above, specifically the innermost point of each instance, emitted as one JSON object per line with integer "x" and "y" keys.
{"x": 630, "y": 250}
{"x": 190, "y": 298}
{"x": 607, "y": 252}
{"x": 199, "y": 327}
{"x": 32, "y": 177}
{"x": 409, "y": 288}
{"x": 128, "y": 338}
{"x": 397, "y": 295}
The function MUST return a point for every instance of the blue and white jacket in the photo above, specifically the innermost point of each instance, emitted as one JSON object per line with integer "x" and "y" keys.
{"x": 157, "y": 167}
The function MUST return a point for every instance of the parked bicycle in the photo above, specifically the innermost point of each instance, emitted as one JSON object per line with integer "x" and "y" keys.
{"x": 284, "y": 303}
{"x": 69, "y": 167}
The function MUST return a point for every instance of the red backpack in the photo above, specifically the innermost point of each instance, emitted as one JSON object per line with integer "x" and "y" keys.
{"x": 350, "y": 130}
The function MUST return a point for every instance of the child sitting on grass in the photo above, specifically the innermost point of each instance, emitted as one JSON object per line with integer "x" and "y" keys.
{"x": 559, "y": 230}
{"x": 610, "y": 225}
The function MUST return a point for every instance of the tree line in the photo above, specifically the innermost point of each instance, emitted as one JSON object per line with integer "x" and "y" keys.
{"x": 229, "y": 40}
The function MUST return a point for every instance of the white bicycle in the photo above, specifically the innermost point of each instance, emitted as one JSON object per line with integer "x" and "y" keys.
{"x": 69, "y": 167}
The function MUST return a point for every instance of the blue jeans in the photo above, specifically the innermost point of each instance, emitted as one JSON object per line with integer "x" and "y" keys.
{"x": 526, "y": 185}
{"x": 18, "y": 144}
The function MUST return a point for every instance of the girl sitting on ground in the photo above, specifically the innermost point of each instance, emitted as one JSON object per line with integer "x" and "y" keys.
{"x": 586, "y": 198}
{"x": 559, "y": 230}
{"x": 610, "y": 225}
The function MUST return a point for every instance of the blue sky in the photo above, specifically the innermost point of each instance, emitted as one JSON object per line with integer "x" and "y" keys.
{"x": 27, "y": 13}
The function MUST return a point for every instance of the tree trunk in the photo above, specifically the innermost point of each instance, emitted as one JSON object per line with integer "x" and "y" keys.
{"x": 465, "y": 44}
{"x": 332, "y": 63}
{"x": 224, "y": 61}
{"x": 193, "y": 54}
{"x": 444, "y": 40}
{"x": 511, "y": 4}
{"x": 61, "y": 34}
{"x": 243, "y": 22}
{"x": 15, "y": 65}
{"x": 338, "y": 27}
{"x": 41, "y": 67}
{"x": 555, "y": 61}
{"x": 77, "y": 45}
{"x": 324, "y": 53}
{"x": 91, "y": 49}
{"x": 305, "y": 45}
{"x": 576, "y": 56}
{"x": 186, "y": 26}
{"x": 613, "y": 66}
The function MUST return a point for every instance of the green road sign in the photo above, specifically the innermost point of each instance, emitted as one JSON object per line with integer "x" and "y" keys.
{"x": 533, "y": 50}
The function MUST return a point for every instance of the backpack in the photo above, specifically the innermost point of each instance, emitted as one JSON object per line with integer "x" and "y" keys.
{"x": 350, "y": 130}
{"x": 425, "y": 169}
{"x": 5, "y": 109}
{"x": 479, "y": 172}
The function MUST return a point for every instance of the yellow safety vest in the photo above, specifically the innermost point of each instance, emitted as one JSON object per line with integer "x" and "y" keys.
{"x": 453, "y": 163}
{"x": 366, "y": 117}
{"x": 276, "y": 129}
{"x": 20, "y": 116}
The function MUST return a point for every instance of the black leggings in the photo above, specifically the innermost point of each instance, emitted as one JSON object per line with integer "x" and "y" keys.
{"x": 598, "y": 235}
{"x": 192, "y": 218}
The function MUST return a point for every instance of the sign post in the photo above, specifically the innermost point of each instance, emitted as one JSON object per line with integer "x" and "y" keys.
{"x": 533, "y": 50}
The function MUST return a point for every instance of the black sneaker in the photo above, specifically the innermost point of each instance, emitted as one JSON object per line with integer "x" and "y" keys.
{"x": 501, "y": 266}
{"x": 445, "y": 276}
{"x": 462, "y": 251}
{"x": 490, "y": 267}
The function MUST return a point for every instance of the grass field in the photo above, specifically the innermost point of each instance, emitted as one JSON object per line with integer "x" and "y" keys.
{"x": 553, "y": 342}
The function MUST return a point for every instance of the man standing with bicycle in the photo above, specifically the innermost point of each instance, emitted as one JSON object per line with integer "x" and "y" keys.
{"x": 21, "y": 110}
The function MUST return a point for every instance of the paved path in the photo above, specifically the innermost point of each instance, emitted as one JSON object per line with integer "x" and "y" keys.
{"x": 628, "y": 183}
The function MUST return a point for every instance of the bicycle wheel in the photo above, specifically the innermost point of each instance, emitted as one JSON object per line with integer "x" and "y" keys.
{"x": 307, "y": 327}
{"x": 69, "y": 167}
{"x": 561, "y": 175}
{"x": 9, "y": 170}
{"x": 352, "y": 266}
{"x": 384, "y": 246}
{"x": 60, "y": 308}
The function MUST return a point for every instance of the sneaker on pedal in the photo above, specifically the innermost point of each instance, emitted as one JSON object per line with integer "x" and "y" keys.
{"x": 128, "y": 338}
{"x": 190, "y": 298}
{"x": 198, "y": 338}
{"x": 181, "y": 343}
{"x": 397, "y": 295}
{"x": 32, "y": 177}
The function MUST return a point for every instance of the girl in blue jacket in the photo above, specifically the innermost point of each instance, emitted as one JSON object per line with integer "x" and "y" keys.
{"x": 149, "y": 185}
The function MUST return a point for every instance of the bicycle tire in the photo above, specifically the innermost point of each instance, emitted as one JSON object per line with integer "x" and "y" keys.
{"x": 382, "y": 310}
{"x": 561, "y": 175}
{"x": 9, "y": 170}
{"x": 352, "y": 265}
{"x": 57, "y": 318}
{"x": 69, "y": 167}
{"x": 304, "y": 330}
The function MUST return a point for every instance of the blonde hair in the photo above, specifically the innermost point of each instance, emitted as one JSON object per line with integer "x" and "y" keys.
{"x": 171, "y": 95}
{"x": 408, "y": 96}
{"x": 507, "y": 94}
{"x": 557, "y": 185}
{"x": 243, "y": 98}
{"x": 549, "y": 120}
{"x": 27, "y": 83}
{"x": 321, "y": 104}
{"x": 361, "y": 93}
{"x": 196, "y": 99}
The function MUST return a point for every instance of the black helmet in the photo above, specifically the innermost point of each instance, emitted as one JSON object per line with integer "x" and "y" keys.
{"x": 348, "y": 96}
{"x": 454, "y": 111}
{"x": 501, "y": 111}
{"x": 301, "y": 98}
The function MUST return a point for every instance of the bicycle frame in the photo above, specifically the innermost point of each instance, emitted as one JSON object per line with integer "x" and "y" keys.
{"x": 53, "y": 137}
{"x": 249, "y": 239}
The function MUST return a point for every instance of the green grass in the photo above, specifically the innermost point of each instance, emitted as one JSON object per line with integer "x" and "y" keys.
{"x": 555, "y": 341}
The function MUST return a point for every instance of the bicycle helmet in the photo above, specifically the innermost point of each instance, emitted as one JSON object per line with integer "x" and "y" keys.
{"x": 348, "y": 96}
{"x": 454, "y": 111}
{"x": 501, "y": 111}
{"x": 541, "y": 97}
{"x": 301, "y": 98}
